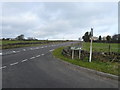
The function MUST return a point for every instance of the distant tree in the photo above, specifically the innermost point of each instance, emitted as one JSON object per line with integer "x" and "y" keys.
{"x": 100, "y": 38}
{"x": 108, "y": 38}
{"x": 86, "y": 37}
{"x": 20, "y": 37}
{"x": 3, "y": 38}
{"x": 116, "y": 38}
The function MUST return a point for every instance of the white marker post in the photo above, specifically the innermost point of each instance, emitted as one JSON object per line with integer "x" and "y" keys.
{"x": 73, "y": 54}
{"x": 91, "y": 45}
{"x": 79, "y": 53}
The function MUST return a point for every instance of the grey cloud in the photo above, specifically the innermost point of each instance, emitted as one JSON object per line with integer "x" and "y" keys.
{"x": 56, "y": 20}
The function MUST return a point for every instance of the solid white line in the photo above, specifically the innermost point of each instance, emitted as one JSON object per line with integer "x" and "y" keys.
{"x": 24, "y": 60}
{"x": 3, "y": 67}
{"x": 32, "y": 57}
{"x": 38, "y": 56}
{"x": 14, "y": 63}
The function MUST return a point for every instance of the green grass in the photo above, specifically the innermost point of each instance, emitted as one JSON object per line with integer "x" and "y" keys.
{"x": 5, "y": 42}
{"x": 106, "y": 67}
{"x": 102, "y": 47}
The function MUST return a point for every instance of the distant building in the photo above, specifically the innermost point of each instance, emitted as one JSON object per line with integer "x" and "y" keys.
{"x": 104, "y": 38}
{"x": 95, "y": 38}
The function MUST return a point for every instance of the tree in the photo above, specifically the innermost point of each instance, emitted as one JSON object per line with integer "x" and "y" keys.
{"x": 86, "y": 37}
{"x": 20, "y": 37}
{"x": 108, "y": 38}
{"x": 100, "y": 38}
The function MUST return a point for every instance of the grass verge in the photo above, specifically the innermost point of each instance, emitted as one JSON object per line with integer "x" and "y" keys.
{"x": 106, "y": 67}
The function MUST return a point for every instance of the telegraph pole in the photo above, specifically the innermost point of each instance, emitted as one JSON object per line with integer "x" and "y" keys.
{"x": 91, "y": 37}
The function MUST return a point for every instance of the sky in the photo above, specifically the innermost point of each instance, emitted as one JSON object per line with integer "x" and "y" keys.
{"x": 58, "y": 20}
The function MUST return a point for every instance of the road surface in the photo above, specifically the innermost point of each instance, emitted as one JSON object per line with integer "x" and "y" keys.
{"x": 35, "y": 67}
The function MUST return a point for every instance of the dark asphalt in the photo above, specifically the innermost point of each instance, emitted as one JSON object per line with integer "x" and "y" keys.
{"x": 35, "y": 67}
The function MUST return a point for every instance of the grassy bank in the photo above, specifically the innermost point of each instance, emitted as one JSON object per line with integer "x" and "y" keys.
{"x": 106, "y": 67}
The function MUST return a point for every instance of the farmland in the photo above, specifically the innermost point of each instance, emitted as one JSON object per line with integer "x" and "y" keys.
{"x": 102, "y": 47}
{"x": 6, "y": 44}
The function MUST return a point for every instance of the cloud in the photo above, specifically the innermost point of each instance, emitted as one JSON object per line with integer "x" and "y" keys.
{"x": 59, "y": 20}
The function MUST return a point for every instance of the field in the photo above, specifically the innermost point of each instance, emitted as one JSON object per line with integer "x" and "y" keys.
{"x": 102, "y": 47}
{"x": 6, "y": 44}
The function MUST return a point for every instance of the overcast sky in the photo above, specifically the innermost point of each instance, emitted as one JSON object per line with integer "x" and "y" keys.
{"x": 55, "y": 20}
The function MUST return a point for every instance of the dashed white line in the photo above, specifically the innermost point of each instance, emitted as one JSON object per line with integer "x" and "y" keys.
{"x": 14, "y": 63}
{"x": 0, "y": 53}
{"x": 17, "y": 51}
{"x": 42, "y": 54}
{"x": 51, "y": 50}
{"x": 3, "y": 67}
{"x": 37, "y": 47}
{"x": 24, "y": 49}
{"x": 42, "y": 47}
{"x": 32, "y": 57}
{"x": 24, "y": 60}
{"x": 38, "y": 56}
{"x": 14, "y": 51}
{"x": 31, "y": 48}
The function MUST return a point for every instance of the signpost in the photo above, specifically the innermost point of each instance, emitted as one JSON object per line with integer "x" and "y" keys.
{"x": 75, "y": 48}
{"x": 91, "y": 45}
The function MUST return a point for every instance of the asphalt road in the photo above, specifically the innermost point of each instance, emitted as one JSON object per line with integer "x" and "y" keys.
{"x": 35, "y": 67}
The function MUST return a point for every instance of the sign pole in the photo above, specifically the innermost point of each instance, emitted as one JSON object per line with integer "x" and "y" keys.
{"x": 72, "y": 54}
{"x": 79, "y": 53}
{"x": 91, "y": 45}
{"x": 90, "y": 51}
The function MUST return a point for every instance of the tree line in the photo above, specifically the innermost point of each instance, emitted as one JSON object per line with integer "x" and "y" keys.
{"x": 110, "y": 39}
{"x": 21, "y": 38}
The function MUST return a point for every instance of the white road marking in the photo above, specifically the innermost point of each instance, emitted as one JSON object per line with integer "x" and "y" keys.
{"x": 24, "y": 49}
{"x": 37, "y": 47}
{"x": 24, "y": 60}
{"x": 31, "y": 48}
{"x": 42, "y": 54}
{"x": 14, "y": 63}
{"x": 3, "y": 67}
{"x": 51, "y": 50}
{"x": 17, "y": 51}
{"x": 32, "y": 57}
{"x": 38, "y": 56}
{"x": 0, "y": 53}
{"x": 42, "y": 47}
{"x": 14, "y": 51}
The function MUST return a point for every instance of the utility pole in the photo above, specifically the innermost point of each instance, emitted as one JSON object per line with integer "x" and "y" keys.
{"x": 91, "y": 37}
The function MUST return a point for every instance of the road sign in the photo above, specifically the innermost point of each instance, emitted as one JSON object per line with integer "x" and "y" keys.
{"x": 76, "y": 48}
